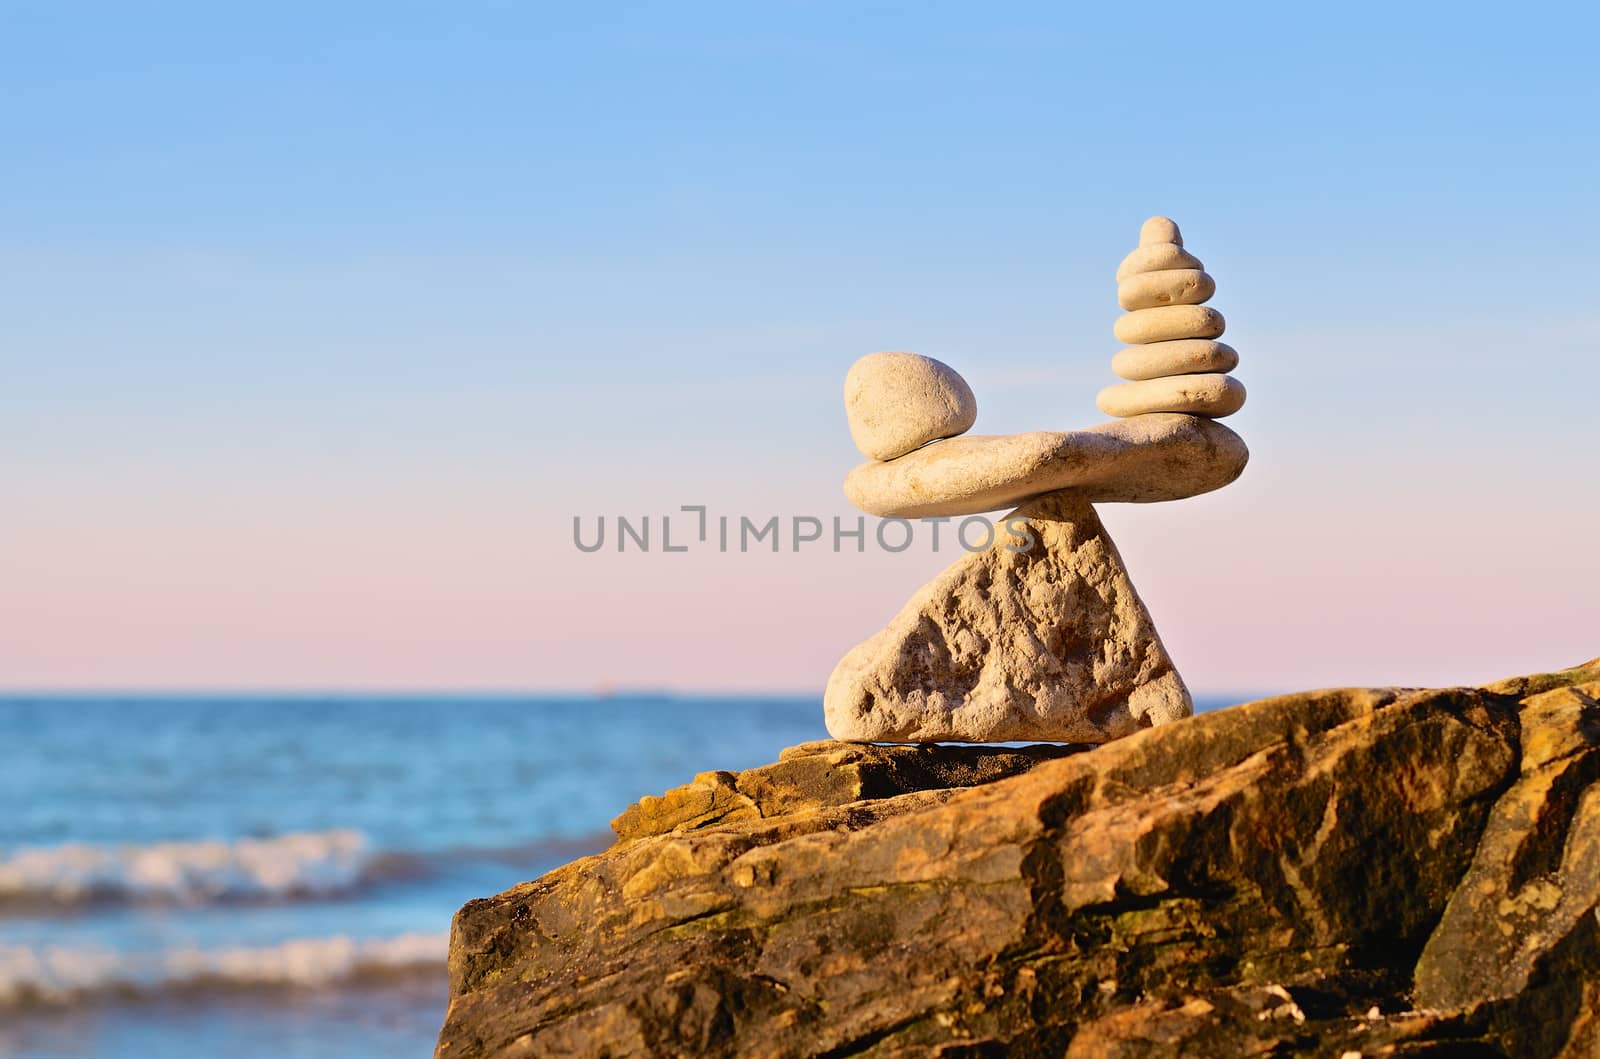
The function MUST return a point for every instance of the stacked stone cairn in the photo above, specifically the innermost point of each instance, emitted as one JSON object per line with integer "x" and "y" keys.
{"x": 1173, "y": 357}
{"x": 1040, "y": 636}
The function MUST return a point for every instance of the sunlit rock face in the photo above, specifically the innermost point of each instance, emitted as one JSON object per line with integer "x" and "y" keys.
{"x": 1378, "y": 871}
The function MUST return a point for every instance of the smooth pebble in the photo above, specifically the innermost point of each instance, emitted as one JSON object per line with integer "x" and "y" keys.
{"x": 1212, "y": 396}
{"x": 1176, "y": 286}
{"x": 1160, "y": 230}
{"x": 1168, "y": 322}
{"x": 1156, "y": 258}
{"x": 1185, "y": 356}
{"x": 897, "y": 402}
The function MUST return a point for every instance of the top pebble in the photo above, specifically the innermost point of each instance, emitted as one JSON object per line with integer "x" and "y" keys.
{"x": 1160, "y": 230}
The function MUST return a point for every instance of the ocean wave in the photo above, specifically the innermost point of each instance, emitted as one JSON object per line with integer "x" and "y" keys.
{"x": 306, "y": 865}
{"x": 53, "y": 976}
{"x": 316, "y": 864}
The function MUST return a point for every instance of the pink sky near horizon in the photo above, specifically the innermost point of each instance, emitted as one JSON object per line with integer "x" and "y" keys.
{"x": 1265, "y": 586}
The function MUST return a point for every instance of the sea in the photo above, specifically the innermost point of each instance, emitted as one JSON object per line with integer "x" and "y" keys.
{"x": 274, "y": 875}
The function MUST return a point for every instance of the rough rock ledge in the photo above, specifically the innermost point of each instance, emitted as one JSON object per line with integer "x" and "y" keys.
{"x": 1379, "y": 872}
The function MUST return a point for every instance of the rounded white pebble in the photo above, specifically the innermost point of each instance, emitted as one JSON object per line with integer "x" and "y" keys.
{"x": 1160, "y": 230}
{"x": 1173, "y": 286}
{"x": 896, "y": 402}
{"x": 1157, "y": 257}
{"x": 1212, "y": 396}
{"x": 1168, "y": 322}
{"x": 1185, "y": 356}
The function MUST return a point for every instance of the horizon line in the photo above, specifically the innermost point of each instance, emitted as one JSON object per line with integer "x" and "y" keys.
{"x": 498, "y": 691}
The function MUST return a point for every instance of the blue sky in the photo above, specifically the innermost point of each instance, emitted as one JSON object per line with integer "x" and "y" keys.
{"x": 298, "y": 289}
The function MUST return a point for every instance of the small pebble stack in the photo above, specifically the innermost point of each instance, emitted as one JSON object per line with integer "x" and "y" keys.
{"x": 1173, "y": 357}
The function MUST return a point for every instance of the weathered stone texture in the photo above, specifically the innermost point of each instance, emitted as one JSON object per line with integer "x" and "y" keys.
{"x": 1258, "y": 880}
{"x": 1039, "y": 637}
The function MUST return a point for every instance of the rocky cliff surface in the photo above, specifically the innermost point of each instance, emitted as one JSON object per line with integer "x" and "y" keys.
{"x": 1369, "y": 872}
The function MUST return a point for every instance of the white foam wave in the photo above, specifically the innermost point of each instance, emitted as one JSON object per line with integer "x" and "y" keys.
{"x": 59, "y": 975}
{"x": 316, "y": 863}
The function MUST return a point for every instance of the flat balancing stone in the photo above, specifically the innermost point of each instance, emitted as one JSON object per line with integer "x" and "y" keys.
{"x": 1146, "y": 458}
